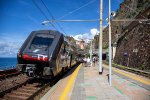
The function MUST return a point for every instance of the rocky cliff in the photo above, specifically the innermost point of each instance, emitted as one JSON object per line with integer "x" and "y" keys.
{"x": 132, "y": 37}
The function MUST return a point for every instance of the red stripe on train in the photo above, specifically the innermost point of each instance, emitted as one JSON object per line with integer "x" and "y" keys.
{"x": 27, "y": 57}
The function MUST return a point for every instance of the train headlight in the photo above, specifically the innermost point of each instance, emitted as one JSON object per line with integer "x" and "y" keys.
{"x": 19, "y": 55}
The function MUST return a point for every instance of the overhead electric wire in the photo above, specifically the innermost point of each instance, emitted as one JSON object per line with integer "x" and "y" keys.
{"x": 43, "y": 13}
{"x": 71, "y": 12}
{"x": 76, "y": 20}
{"x": 52, "y": 16}
{"x": 64, "y": 15}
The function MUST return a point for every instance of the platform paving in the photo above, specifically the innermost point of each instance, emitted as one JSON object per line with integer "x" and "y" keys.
{"x": 60, "y": 88}
{"x": 89, "y": 85}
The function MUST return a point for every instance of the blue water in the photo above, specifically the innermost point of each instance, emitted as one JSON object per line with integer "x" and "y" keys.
{"x": 7, "y": 63}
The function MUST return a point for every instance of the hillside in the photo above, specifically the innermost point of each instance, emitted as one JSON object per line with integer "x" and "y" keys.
{"x": 132, "y": 37}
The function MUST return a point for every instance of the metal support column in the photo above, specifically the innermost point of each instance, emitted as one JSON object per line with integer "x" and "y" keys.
{"x": 110, "y": 51}
{"x": 91, "y": 53}
{"x": 100, "y": 37}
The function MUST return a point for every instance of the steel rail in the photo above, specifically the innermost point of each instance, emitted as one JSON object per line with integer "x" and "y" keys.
{"x": 46, "y": 84}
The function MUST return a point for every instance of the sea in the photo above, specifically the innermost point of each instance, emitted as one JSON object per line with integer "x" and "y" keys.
{"x": 7, "y": 63}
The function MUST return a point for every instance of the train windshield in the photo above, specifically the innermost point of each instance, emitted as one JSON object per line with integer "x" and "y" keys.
{"x": 41, "y": 42}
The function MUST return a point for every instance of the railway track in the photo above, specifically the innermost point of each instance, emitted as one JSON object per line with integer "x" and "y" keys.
{"x": 27, "y": 90}
{"x": 8, "y": 73}
{"x": 30, "y": 88}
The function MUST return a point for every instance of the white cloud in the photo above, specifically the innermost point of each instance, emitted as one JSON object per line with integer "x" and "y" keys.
{"x": 94, "y": 31}
{"x": 78, "y": 37}
{"x": 8, "y": 47}
{"x": 86, "y": 36}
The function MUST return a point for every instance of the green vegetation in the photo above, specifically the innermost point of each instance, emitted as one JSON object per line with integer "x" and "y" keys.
{"x": 105, "y": 46}
{"x": 143, "y": 66}
{"x": 132, "y": 15}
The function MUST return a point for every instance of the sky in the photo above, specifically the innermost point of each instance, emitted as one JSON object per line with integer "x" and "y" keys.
{"x": 18, "y": 18}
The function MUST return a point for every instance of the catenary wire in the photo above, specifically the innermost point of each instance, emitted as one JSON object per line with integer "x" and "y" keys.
{"x": 71, "y": 12}
{"x": 53, "y": 16}
{"x": 42, "y": 13}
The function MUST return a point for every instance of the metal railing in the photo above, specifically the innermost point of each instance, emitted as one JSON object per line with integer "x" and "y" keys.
{"x": 133, "y": 70}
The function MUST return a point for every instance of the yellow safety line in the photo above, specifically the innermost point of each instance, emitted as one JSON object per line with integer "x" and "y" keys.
{"x": 69, "y": 85}
{"x": 147, "y": 82}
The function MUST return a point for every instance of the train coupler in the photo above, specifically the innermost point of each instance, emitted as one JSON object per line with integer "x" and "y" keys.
{"x": 30, "y": 70}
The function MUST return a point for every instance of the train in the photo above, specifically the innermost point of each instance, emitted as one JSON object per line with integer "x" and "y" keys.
{"x": 45, "y": 54}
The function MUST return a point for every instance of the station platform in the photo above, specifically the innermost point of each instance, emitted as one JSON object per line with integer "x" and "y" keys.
{"x": 85, "y": 83}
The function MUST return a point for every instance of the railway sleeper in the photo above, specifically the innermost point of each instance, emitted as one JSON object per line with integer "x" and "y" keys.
{"x": 25, "y": 90}
{"x": 33, "y": 84}
{"x": 30, "y": 87}
{"x": 21, "y": 93}
{"x": 14, "y": 97}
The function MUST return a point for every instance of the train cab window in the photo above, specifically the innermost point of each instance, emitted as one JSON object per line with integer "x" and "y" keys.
{"x": 41, "y": 42}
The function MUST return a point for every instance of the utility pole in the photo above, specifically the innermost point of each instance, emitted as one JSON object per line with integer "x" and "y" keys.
{"x": 91, "y": 52}
{"x": 110, "y": 51}
{"x": 100, "y": 37}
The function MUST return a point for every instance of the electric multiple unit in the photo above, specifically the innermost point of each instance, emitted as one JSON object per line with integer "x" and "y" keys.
{"x": 45, "y": 53}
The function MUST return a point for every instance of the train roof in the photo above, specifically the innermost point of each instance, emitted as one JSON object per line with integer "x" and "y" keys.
{"x": 54, "y": 32}
{"x": 42, "y": 33}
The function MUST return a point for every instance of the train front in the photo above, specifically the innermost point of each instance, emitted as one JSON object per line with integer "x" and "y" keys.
{"x": 33, "y": 55}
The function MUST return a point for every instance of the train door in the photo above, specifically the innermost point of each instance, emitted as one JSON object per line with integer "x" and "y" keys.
{"x": 65, "y": 57}
{"x": 59, "y": 59}
{"x": 68, "y": 55}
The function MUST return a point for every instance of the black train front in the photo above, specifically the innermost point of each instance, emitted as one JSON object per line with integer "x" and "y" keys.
{"x": 44, "y": 54}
